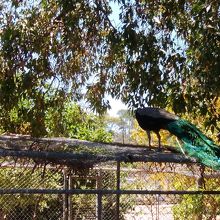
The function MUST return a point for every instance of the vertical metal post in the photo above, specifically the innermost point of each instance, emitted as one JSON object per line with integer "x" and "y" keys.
{"x": 99, "y": 195}
{"x": 99, "y": 206}
{"x": 201, "y": 181}
{"x": 70, "y": 204}
{"x": 200, "y": 184}
{"x": 157, "y": 207}
{"x": 118, "y": 183}
{"x": 65, "y": 197}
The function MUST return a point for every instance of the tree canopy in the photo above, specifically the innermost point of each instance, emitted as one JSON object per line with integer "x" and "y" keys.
{"x": 161, "y": 53}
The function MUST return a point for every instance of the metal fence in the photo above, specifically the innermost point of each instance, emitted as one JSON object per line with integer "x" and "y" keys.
{"x": 110, "y": 191}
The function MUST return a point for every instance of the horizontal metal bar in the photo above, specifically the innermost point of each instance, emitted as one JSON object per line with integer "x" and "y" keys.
{"x": 105, "y": 191}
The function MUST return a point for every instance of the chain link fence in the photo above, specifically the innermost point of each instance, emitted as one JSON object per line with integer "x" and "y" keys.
{"x": 110, "y": 191}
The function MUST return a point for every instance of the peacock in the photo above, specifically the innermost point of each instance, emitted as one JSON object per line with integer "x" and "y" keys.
{"x": 194, "y": 142}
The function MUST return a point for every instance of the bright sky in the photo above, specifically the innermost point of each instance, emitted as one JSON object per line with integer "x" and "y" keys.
{"x": 116, "y": 105}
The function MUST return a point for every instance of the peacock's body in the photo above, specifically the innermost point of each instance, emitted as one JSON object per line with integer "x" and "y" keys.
{"x": 194, "y": 142}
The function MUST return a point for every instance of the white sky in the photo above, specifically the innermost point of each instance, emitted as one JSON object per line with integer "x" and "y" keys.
{"x": 116, "y": 105}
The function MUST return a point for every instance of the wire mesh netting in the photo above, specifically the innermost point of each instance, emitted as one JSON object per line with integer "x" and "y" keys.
{"x": 27, "y": 207}
{"x": 131, "y": 191}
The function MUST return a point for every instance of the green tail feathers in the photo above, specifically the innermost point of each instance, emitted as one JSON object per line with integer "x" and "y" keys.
{"x": 195, "y": 143}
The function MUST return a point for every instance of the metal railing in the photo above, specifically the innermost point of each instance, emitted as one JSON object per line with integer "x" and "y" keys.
{"x": 109, "y": 191}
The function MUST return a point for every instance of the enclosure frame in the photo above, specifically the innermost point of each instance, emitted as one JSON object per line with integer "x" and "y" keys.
{"x": 119, "y": 157}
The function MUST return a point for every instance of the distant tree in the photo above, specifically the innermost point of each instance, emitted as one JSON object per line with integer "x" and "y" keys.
{"x": 126, "y": 121}
{"x": 120, "y": 126}
{"x": 74, "y": 122}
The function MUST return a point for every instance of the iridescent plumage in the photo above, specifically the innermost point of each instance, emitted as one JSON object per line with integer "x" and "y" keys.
{"x": 194, "y": 142}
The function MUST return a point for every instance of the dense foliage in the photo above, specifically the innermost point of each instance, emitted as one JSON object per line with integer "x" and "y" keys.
{"x": 76, "y": 123}
{"x": 161, "y": 53}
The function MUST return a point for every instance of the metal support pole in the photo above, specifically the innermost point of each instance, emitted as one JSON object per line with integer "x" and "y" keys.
{"x": 157, "y": 207}
{"x": 99, "y": 195}
{"x": 70, "y": 204}
{"x": 65, "y": 196}
{"x": 99, "y": 206}
{"x": 201, "y": 181}
{"x": 201, "y": 185}
{"x": 118, "y": 183}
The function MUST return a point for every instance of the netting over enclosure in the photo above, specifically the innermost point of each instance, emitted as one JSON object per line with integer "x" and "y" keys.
{"x": 112, "y": 190}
